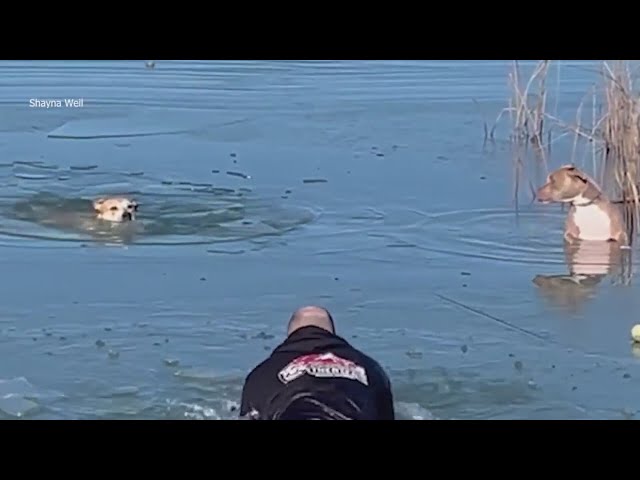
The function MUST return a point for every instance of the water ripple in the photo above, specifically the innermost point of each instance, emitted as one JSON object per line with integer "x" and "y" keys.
{"x": 212, "y": 85}
{"x": 490, "y": 234}
{"x": 172, "y": 212}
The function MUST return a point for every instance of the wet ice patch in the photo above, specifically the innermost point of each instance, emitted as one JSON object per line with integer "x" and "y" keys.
{"x": 126, "y": 391}
{"x": 197, "y": 412}
{"x": 114, "y": 127}
{"x": 221, "y": 409}
{"x": 198, "y": 374}
{"x": 138, "y": 125}
{"x": 16, "y": 405}
{"x": 19, "y": 398}
{"x": 413, "y": 411}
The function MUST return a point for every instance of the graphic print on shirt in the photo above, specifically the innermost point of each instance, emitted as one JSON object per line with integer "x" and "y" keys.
{"x": 323, "y": 365}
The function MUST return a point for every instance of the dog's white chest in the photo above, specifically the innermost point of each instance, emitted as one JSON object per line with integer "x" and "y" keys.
{"x": 592, "y": 222}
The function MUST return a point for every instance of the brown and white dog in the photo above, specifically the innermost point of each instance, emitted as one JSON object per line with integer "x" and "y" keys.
{"x": 592, "y": 216}
{"x": 115, "y": 209}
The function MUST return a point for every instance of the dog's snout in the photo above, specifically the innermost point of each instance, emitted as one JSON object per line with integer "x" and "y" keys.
{"x": 543, "y": 194}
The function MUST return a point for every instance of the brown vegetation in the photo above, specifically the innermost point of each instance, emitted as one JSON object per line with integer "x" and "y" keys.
{"x": 612, "y": 139}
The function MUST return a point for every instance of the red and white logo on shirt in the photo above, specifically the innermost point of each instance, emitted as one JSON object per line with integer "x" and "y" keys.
{"x": 324, "y": 365}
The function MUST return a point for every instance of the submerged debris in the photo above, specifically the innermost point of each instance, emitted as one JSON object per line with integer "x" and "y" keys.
{"x": 264, "y": 336}
{"x": 238, "y": 174}
{"x": 414, "y": 354}
{"x": 315, "y": 180}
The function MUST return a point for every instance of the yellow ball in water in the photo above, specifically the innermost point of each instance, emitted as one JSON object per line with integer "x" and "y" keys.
{"x": 635, "y": 333}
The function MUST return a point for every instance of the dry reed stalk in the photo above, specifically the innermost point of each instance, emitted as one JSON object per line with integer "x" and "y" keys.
{"x": 621, "y": 137}
{"x": 528, "y": 124}
{"x": 527, "y": 117}
{"x": 616, "y": 133}
{"x": 579, "y": 132}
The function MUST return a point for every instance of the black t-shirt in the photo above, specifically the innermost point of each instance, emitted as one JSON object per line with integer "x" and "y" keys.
{"x": 315, "y": 374}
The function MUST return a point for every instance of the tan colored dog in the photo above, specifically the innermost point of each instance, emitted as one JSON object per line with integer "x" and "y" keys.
{"x": 115, "y": 209}
{"x": 592, "y": 215}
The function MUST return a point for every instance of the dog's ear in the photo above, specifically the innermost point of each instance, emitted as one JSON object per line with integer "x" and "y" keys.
{"x": 97, "y": 204}
{"x": 575, "y": 173}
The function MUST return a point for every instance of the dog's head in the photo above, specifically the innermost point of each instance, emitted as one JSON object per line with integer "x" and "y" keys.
{"x": 564, "y": 185}
{"x": 115, "y": 209}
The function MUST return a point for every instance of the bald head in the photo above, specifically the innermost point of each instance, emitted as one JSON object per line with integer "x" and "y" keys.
{"x": 311, "y": 316}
